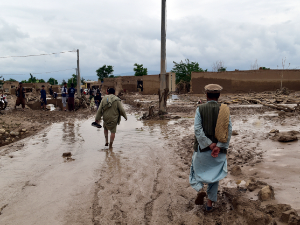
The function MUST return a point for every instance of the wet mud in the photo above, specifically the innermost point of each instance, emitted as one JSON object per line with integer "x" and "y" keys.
{"x": 144, "y": 178}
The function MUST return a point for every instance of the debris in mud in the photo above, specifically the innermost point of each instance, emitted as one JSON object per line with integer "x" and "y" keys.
{"x": 285, "y": 136}
{"x": 266, "y": 193}
{"x": 69, "y": 159}
{"x": 285, "y": 216}
{"x": 236, "y": 171}
{"x": 234, "y": 133}
{"x": 294, "y": 220}
{"x": 67, "y": 154}
{"x": 274, "y": 131}
{"x": 283, "y": 91}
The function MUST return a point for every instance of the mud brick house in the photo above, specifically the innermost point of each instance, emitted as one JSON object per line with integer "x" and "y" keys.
{"x": 246, "y": 81}
{"x": 147, "y": 84}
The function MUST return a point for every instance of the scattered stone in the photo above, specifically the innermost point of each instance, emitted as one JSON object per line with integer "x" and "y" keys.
{"x": 2, "y": 131}
{"x": 266, "y": 193}
{"x": 24, "y": 130}
{"x": 281, "y": 113}
{"x": 285, "y": 216}
{"x": 12, "y": 133}
{"x": 236, "y": 170}
{"x": 67, "y": 154}
{"x": 274, "y": 131}
{"x": 234, "y": 133}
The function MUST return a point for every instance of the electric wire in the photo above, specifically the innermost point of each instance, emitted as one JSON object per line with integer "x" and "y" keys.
{"x": 36, "y": 73}
{"x": 22, "y": 56}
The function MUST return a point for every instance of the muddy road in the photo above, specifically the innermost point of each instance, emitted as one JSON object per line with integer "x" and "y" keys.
{"x": 144, "y": 178}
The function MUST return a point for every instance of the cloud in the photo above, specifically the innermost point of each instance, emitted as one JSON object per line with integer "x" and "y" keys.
{"x": 123, "y": 32}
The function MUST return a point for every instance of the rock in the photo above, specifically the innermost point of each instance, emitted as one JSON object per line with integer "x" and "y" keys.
{"x": 14, "y": 133}
{"x": 275, "y": 210}
{"x": 274, "y": 131}
{"x": 236, "y": 170}
{"x": 285, "y": 216}
{"x": 24, "y": 130}
{"x": 294, "y": 220}
{"x": 252, "y": 186}
{"x": 266, "y": 193}
{"x": 234, "y": 133}
{"x": 2, "y": 131}
{"x": 285, "y": 138}
{"x": 67, "y": 154}
{"x": 251, "y": 180}
{"x": 281, "y": 113}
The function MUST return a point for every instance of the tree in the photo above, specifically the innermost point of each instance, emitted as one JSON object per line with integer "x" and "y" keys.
{"x": 184, "y": 70}
{"x": 254, "y": 66}
{"x": 32, "y": 79}
{"x": 82, "y": 80}
{"x": 52, "y": 81}
{"x": 11, "y": 80}
{"x": 41, "y": 81}
{"x": 63, "y": 81}
{"x": 111, "y": 76}
{"x": 139, "y": 70}
{"x": 72, "y": 80}
{"x": 104, "y": 71}
{"x": 218, "y": 66}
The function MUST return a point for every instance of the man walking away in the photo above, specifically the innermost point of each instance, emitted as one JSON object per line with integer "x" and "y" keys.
{"x": 212, "y": 136}
{"x": 111, "y": 109}
{"x": 43, "y": 98}
{"x": 64, "y": 93}
{"x": 98, "y": 99}
{"x": 71, "y": 101}
{"x": 21, "y": 96}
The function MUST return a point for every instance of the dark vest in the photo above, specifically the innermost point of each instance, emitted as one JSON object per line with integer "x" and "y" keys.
{"x": 209, "y": 115}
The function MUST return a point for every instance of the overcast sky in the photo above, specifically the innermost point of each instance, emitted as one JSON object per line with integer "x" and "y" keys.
{"x": 124, "y": 32}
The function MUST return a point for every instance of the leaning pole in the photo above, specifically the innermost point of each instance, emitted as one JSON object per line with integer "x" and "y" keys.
{"x": 162, "y": 75}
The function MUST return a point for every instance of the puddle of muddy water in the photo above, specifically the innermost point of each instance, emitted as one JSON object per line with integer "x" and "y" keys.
{"x": 62, "y": 189}
{"x": 280, "y": 166}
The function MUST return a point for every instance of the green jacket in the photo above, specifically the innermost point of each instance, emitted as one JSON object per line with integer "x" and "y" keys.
{"x": 111, "y": 109}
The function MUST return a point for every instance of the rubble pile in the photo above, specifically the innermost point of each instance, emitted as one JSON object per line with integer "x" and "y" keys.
{"x": 7, "y": 136}
{"x": 81, "y": 102}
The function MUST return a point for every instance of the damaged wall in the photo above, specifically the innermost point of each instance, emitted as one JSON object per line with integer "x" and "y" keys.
{"x": 246, "y": 81}
{"x": 151, "y": 83}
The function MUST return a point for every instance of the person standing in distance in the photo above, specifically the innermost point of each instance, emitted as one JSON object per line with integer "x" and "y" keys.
{"x": 64, "y": 93}
{"x": 111, "y": 109}
{"x": 71, "y": 100}
{"x": 43, "y": 98}
{"x": 20, "y": 96}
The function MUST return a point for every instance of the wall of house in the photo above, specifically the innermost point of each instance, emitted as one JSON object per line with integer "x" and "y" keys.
{"x": 151, "y": 83}
{"x": 246, "y": 81}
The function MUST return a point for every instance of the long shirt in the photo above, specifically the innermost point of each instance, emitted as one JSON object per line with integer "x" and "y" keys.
{"x": 205, "y": 141}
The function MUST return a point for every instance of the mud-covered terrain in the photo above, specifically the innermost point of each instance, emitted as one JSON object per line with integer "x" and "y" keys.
{"x": 144, "y": 178}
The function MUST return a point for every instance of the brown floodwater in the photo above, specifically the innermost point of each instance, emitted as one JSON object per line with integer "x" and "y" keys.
{"x": 39, "y": 186}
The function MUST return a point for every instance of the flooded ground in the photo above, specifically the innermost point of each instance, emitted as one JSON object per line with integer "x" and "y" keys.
{"x": 144, "y": 178}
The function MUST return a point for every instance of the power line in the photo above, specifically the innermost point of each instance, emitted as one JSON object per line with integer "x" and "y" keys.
{"x": 36, "y": 73}
{"x": 3, "y": 57}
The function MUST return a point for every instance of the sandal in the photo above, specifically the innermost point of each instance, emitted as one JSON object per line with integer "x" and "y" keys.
{"x": 200, "y": 198}
{"x": 208, "y": 209}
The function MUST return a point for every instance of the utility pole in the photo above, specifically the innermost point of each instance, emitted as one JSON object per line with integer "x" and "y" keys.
{"x": 162, "y": 75}
{"x": 78, "y": 76}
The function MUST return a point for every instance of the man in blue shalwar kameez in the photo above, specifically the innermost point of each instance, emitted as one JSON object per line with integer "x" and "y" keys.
{"x": 209, "y": 162}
